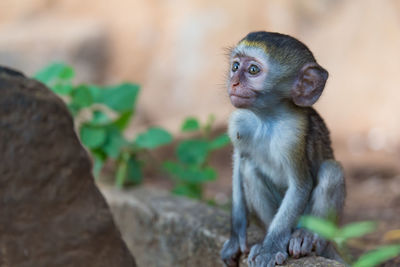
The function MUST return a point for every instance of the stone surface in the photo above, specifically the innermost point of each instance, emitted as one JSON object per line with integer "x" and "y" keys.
{"x": 164, "y": 230}
{"x": 30, "y": 45}
{"x": 51, "y": 212}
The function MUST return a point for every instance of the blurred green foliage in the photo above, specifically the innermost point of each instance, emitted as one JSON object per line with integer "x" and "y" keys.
{"x": 101, "y": 114}
{"x": 191, "y": 168}
{"x": 341, "y": 235}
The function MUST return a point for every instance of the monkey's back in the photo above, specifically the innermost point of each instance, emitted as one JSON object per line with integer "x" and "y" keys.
{"x": 318, "y": 142}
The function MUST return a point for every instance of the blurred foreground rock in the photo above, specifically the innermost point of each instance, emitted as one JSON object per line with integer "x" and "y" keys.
{"x": 51, "y": 213}
{"x": 164, "y": 230}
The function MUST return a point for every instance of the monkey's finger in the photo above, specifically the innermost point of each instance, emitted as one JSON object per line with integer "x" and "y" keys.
{"x": 306, "y": 246}
{"x": 231, "y": 263}
{"x": 230, "y": 256}
{"x": 320, "y": 245}
{"x": 280, "y": 257}
{"x": 244, "y": 248}
{"x": 296, "y": 247}
{"x": 290, "y": 248}
{"x": 254, "y": 251}
{"x": 261, "y": 262}
{"x": 271, "y": 263}
{"x": 250, "y": 262}
{"x": 297, "y": 233}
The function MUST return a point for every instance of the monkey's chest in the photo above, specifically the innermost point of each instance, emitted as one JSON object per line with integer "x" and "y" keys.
{"x": 269, "y": 158}
{"x": 266, "y": 147}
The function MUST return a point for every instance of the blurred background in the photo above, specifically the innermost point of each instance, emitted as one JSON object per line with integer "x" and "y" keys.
{"x": 176, "y": 51}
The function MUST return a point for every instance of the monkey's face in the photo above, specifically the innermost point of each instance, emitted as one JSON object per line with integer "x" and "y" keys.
{"x": 262, "y": 77}
{"x": 246, "y": 79}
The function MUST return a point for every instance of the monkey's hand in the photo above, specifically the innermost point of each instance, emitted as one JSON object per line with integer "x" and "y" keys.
{"x": 269, "y": 253}
{"x": 303, "y": 242}
{"x": 232, "y": 250}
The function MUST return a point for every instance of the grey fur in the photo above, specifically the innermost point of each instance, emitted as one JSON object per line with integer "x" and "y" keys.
{"x": 278, "y": 205}
{"x": 284, "y": 165}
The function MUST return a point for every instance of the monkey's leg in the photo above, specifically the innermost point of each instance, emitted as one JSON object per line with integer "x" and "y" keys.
{"x": 327, "y": 200}
{"x": 273, "y": 249}
{"x": 262, "y": 196}
{"x": 237, "y": 243}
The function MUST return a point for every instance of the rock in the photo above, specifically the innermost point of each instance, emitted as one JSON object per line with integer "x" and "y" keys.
{"x": 165, "y": 230}
{"x": 312, "y": 262}
{"x": 51, "y": 212}
{"x": 30, "y": 45}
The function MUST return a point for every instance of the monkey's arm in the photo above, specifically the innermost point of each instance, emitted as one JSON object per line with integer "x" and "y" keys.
{"x": 273, "y": 250}
{"x": 291, "y": 208}
{"x": 237, "y": 243}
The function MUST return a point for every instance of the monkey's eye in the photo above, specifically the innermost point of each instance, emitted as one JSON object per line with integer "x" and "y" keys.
{"x": 235, "y": 66}
{"x": 253, "y": 70}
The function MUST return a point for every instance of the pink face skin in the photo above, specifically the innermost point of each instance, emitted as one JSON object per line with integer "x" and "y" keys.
{"x": 246, "y": 80}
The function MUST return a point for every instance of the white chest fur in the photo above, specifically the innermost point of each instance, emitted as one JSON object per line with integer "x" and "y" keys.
{"x": 267, "y": 142}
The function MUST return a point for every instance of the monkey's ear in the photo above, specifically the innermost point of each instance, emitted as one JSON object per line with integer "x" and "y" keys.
{"x": 309, "y": 84}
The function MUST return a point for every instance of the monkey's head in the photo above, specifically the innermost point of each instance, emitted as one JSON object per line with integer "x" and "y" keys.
{"x": 270, "y": 68}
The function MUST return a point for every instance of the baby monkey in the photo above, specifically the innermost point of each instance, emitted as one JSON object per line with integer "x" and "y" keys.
{"x": 283, "y": 163}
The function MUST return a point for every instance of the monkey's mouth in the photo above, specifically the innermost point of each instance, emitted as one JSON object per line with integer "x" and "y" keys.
{"x": 241, "y": 101}
{"x": 240, "y": 96}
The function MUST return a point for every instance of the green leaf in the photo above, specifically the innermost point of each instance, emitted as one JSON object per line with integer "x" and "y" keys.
{"x": 188, "y": 190}
{"x": 62, "y": 88}
{"x": 82, "y": 96}
{"x": 98, "y": 162}
{"x": 191, "y": 174}
{"x": 219, "y": 142}
{"x": 375, "y": 257}
{"x": 119, "y": 98}
{"x": 99, "y": 118}
{"x": 210, "y": 121}
{"x": 173, "y": 168}
{"x": 54, "y": 71}
{"x": 211, "y": 202}
{"x": 192, "y": 151}
{"x": 324, "y": 228}
{"x": 92, "y": 137}
{"x": 123, "y": 121}
{"x": 134, "y": 172}
{"x": 114, "y": 142}
{"x": 67, "y": 73}
{"x": 355, "y": 230}
{"x": 73, "y": 108}
{"x": 196, "y": 174}
{"x": 96, "y": 92}
{"x": 122, "y": 168}
{"x": 153, "y": 138}
{"x": 190, "y": 124}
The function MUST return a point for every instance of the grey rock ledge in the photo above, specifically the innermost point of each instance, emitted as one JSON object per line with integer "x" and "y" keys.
{"x": 164, "y": 230}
